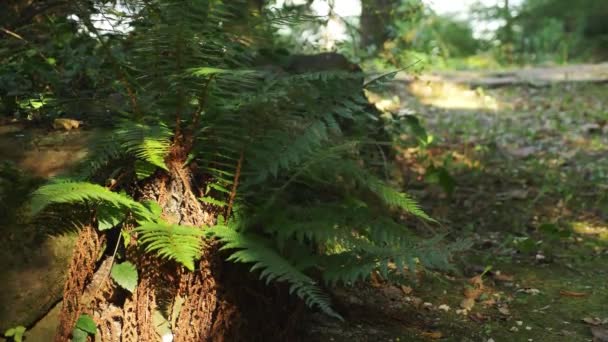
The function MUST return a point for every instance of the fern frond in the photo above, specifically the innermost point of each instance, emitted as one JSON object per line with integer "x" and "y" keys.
{"x": 82, "y": 192}
{"x": 273, "y": 267}
{"x": 397, "y": 199}
{"x": 180, "y": 243}
{"x": 147, "y": 142}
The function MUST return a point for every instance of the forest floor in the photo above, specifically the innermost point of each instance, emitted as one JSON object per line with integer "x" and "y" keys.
{"x": 529, "y": 169}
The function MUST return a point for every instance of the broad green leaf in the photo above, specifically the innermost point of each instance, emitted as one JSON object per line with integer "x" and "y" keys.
{"x": 79, "y": 335}
{"x": 86, "y": 324}
{"x": 16, "y": 333}
{"x": 125, "y": 275}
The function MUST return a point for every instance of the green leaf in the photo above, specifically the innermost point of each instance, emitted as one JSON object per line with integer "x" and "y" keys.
{"x": 83, "y": 192}
{"x": 154, "y": 208}
{"x": 211, "y": 200}
{"x": 125, "y": 275}
{"x": 86, "y": 324}
{"x": 109, "y": 216}
{"x": 16, "y": 333}
{"x": 79, "y": 335}
{"x": 143, "y": 169}
{"x": 180, "y": 243}
{"x": 207, "y": 71}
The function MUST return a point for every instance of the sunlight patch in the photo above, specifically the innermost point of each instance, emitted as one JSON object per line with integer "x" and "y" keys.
{"x": 449, "y": 95}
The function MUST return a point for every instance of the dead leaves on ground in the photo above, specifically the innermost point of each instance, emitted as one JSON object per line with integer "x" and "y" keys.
{"x": 566, "y": 293}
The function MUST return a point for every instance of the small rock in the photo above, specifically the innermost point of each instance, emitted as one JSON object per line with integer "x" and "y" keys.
{"x": 514, "y": 329}
{"x": 528, "y": 327}
{"x": 444, "y": 307}
{"x": 519, "y": 323}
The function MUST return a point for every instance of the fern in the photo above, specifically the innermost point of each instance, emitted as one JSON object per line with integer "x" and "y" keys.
{"x": 82, "y": 192}
{"x": 272, "y": 266}
{"x": 180, "y": 243}
{"x": 149, "y": 143}
{"x": 300, "y": 150}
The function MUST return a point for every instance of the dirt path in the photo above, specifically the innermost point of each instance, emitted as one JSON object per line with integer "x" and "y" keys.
{"x": 534, "y": 76}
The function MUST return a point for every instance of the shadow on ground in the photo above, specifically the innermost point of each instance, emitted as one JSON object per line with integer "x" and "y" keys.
{"x": 530, "y": 169}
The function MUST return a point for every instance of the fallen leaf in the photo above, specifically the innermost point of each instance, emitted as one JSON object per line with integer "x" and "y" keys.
{"x": 522, "y": 152}
{"x": 472, "y": 293}
{"x": 444, "y": 307}
{"x": 519, "y": 194}
{"x": 566, "y": 293}
{"x": 406, "y": 289}
{"x": 504, "y": 310}
{"x": 476, "y": 281}
{"x": 467, "y": 303}
{"x": 435, "y": 335}
{"x": 392, "y": 292}
{"x": 475, "y": 287}
{"x": 529, "y": 291}
{"x": 592, "y": 321}
{"x": 599, "y": 334}
{"x": 489, "y": 302}
{"x": 375, "y": 279}
{"x": 503, "y": 276}
{"x": 417, "y": 302}
{"x": 477, "y": 317}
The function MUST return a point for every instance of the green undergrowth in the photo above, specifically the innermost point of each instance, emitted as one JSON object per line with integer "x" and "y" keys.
{"x": 531, "y": 185}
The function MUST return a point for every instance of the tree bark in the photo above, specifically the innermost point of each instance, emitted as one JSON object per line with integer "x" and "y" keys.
{"x": 219, "y": 301}
{"x": 375, "y": 18}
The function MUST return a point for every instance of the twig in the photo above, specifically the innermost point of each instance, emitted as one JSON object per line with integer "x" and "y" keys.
{"x": 237, "y": 175}
{"x": 390, "y": 72}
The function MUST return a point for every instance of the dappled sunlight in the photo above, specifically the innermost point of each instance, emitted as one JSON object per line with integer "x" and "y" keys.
{"x": 448, "y": 95}
{"x": 42, "y": 153}
{"x": 591, "y": 229}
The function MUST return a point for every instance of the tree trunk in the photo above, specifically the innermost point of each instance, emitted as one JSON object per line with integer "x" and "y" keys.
{"x": 216, "y": 302}
{"x": 375, "y": 17}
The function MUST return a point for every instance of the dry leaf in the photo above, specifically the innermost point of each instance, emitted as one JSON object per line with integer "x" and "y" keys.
{"x": 467, "y": 303}
{"x": 477, "y": 317}
{"x": 523, "y": 152}
{"x": 599, "y": 334}
{"x": 592, "y": 321}
{"x": 417, "y": 302}
{"x": 472, "y": 293}
{"x": 475, "y": 289}
{"x": 519, "y": 194}
{"x": 503, "y": 277}
{"x": 444, "y": 307}
{"x": 489, "y": 302}
{"x": 406, "y": 289}
{"x": 504, "y": 310}
{"x": 375, "y": 279}
{"x": 435, "y": 335}
{"x": 476, "y": 281}
{"x": 566, "y": 293}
